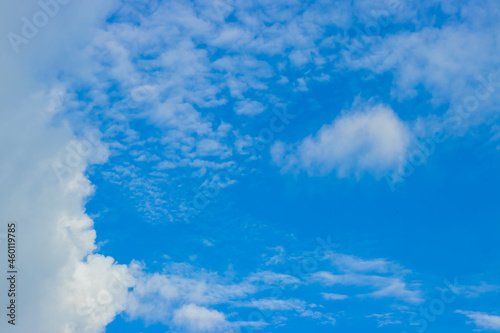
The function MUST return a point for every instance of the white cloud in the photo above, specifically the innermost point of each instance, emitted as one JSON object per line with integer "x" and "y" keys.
{"x": 208, "y": 242}
{"x": 249, "y": 108}
{"x": 64, "y": 286}
{"x": 56, "y": 257}
{"x": 58, "y": 266}
{"x": 94, "y": 292}
{"x": 181, "y": 287}
{"x": 453, "y": 62}
{"x": 156, "y": 297}
{"x": 385, "y": 287}
{"x": 384, "y": 319}
{"x": 350, "y": 263}
{"x": 211, "y": 147}
{"x": 374, "y": 278}
{"x": 274, "y": 304}
{"x": 326, "y": 319}
{"x": 278, "y": 258}
{"x": 271, "y": 278}
{"x": 334, "y": 297}
{"x": 302, "y": 309}
{"x": 483, "y": 321}
{"x": 159, "y": 63}
{"x": 475, "y": 291}
{"x": 371, "y": 140}
{"x": 441, "y": 59}
{"x": 199, "y": 319}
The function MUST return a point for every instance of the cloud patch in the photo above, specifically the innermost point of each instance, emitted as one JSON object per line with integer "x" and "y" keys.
{"x": 482, "y": 320}
{"x": 372, "y": 140}
{"x": 199, "y": 319}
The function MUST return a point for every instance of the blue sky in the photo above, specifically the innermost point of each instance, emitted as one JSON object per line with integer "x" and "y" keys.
{"x": 265, "y": 166}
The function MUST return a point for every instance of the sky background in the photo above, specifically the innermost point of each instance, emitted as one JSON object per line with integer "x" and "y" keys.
{"x": 264, "y": 166}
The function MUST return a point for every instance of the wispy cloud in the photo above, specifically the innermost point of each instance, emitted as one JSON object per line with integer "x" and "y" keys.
{"x": 483, "y": 321}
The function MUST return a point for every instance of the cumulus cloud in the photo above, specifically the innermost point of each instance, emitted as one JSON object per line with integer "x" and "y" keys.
{"x": 94, "y": 292}
{"x": 64, "y": 285}
{"x": 373, "y": 140}
{"x": 47, "y": 191}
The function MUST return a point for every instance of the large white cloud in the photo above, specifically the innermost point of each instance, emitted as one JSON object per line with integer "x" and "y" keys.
{"x": 63, "y": 285}
{"x": 43, "y": 174}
